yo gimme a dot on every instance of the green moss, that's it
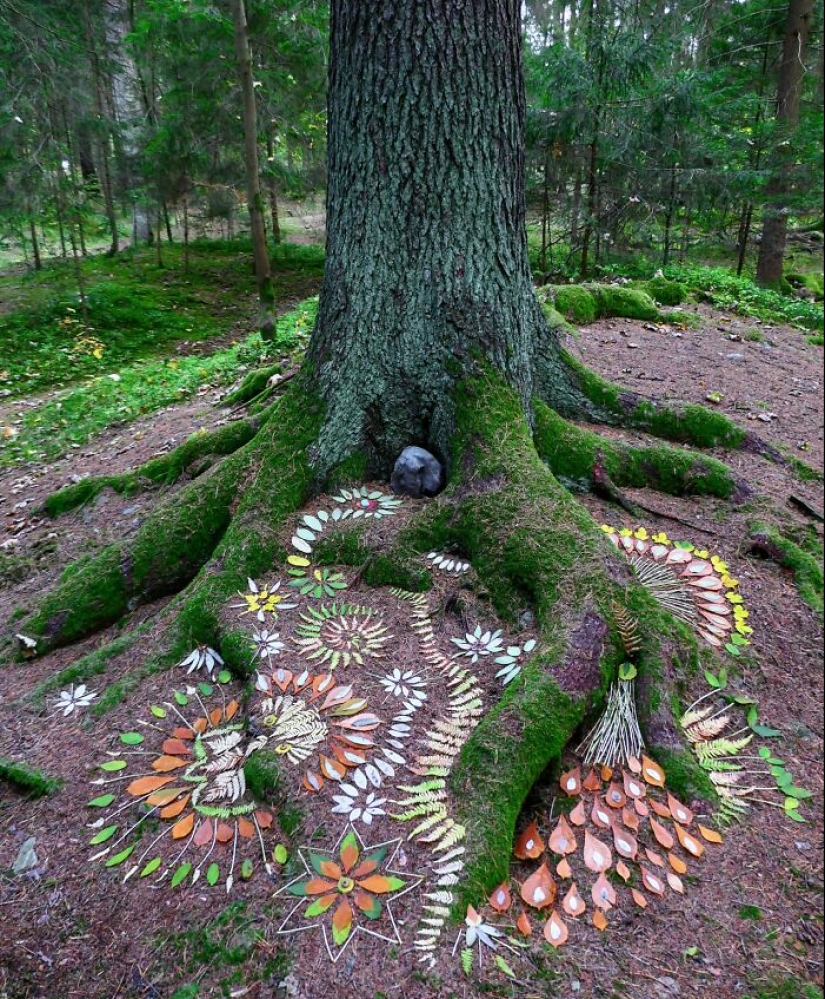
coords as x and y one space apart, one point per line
685 778
263 775
384 570
576 304
159 471
254 384
526 731
750 913
616 301
351 472
689 424
665 292
806 569
32 782
572 453
342 548
788 988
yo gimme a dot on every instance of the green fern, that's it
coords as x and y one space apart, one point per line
467 960
718 748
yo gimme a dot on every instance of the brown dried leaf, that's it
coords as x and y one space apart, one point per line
501 900
690 843
540 890
615 796
603 893
600 921
639 898
599 815
556 932
710 835
652 882
681 813
571 783
626 845
573 903
597 856
656 806
623 871
678 865
578 816
663 837
530 845
675 883
524 926
592 782
652 772
633 787
564 870
563 839
654 857
630 819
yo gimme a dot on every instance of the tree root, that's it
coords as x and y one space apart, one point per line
584 460
192 457
768 542
233 513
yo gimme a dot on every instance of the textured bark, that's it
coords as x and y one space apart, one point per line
791 74
426 251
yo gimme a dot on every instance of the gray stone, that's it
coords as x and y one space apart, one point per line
417 473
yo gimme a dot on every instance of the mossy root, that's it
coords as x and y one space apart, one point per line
770 543
233 512
192 457
579 457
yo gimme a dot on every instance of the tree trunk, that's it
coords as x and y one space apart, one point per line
38 263
273 192
791 73
260 251
404 307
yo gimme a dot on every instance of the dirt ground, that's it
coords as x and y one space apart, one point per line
752 914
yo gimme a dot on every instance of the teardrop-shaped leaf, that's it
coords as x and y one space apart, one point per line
131 738
151 867
556 932
213 875
540 891
280 854
102 802
205 689
501 900
597 856
529 845
181 874
247 869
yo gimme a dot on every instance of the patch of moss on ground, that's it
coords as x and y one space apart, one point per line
664 291
27 779
807 570
685 778
576 304
788 988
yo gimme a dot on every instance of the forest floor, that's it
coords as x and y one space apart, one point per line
750 924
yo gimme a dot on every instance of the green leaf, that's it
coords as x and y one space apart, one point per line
765 753
740 640
247 869
181 698
102 802
158 711
467 960
112 766
732 650
798 792
504 967
151 867
319 907
791 804
280 854
713 680
766 732
627 671
103 835
796 817
783 778
181 874
753 716
213 875
742 699
120 857
224 676
131 738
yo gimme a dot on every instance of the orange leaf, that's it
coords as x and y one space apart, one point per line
634 765
216 717
556 932
641 809
675 883
176 747
530 845
599 815
564 870
377 884
282 679
205 833
225 834
630 819
661 810
710 835
524 926
319 886
348 757
623 871
600 920
183 733
634 788
200 725
332 770
607 773
563 840
652 772
663 836
173 811
165 764
264 819
369 866
603 893
680 812
313 782
184 826
350 854
578 816
245 828
231 710
677 863
654 857
639 898
145 785
164 796
597 856
571 783
592 782
573 903
501 900
690 843
652 882
540 891
615 796
626 845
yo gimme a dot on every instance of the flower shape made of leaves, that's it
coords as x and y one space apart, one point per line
357 808
263 601
316 583
479 643
350 891
362 502
513 660
268 644
406 686
196 786
692 584
340 634
202 658
300 714
74 699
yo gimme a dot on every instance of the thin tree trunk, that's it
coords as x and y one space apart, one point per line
273 192
260 251
575 211
791 73
592 185
186 228
671 210
38 263
545 215
167 224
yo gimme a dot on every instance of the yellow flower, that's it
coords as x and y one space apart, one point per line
735 598
607 529
661 538
641 534
740 613
729 582
626 533
702 554
743 629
